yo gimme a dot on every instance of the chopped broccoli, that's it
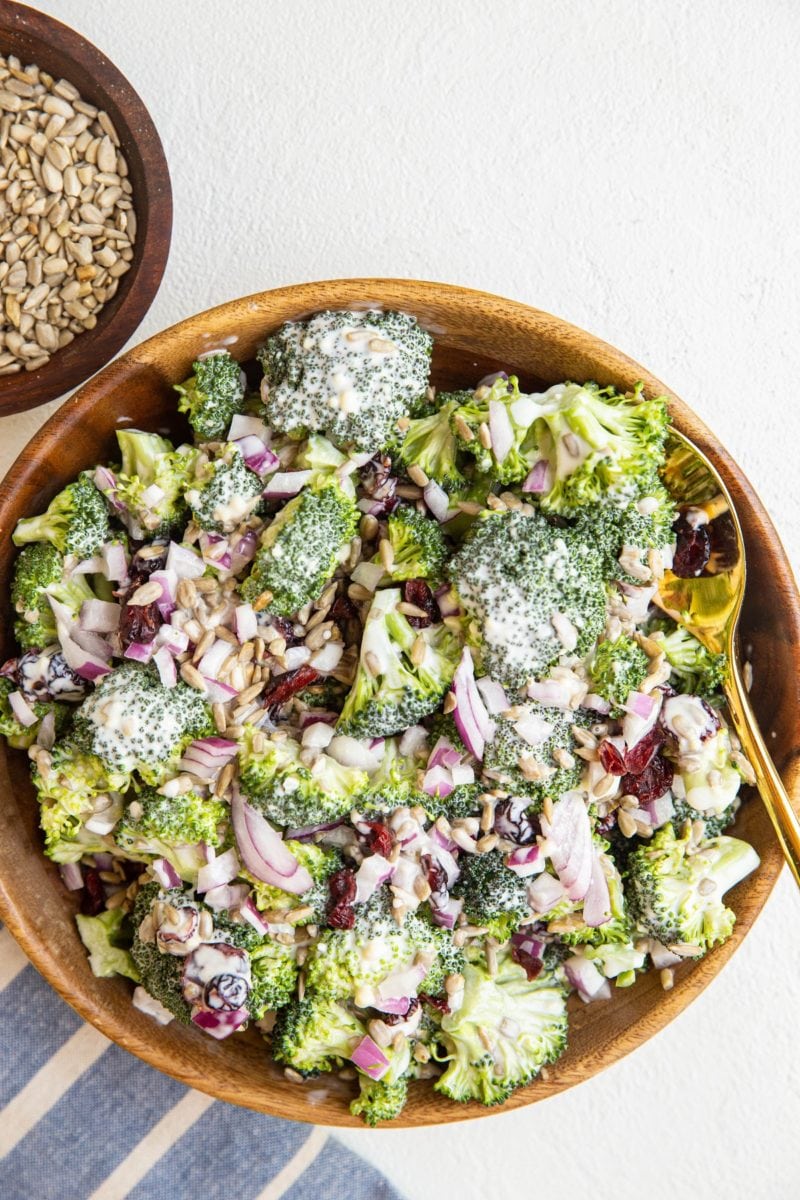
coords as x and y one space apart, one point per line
494 896
132 722
160 973
317 1033
104 938
39 572
626 532
147 494
320 862
301 548
76 521
274 973
714 823
391 690
524 1023
21 736
418 546
213 395
531 591
532 768
277 782
489 406
380 1099
160 826
429 443
225 494
708 781
617 669
694 669
395 783
676 887
350 375
319 455
68 787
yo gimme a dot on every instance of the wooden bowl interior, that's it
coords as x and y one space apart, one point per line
36 38
475 334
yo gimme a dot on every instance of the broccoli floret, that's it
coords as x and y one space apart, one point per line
225 494
132 722
68 787
147 493
429 443
536 769
392 690
160 974
301 548
618 668
670 890
317 1033
708 782
349 375
319 455
40 572
160 826
278 783
349 962
213 395
525 1024
627 531
320 862
21 736
418 545
494 896
694 669
105 939
274 971
326 694
598 444
76 521
531 592
488 407
714 823
395 783
380 1099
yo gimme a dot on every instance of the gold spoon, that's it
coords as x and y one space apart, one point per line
709 607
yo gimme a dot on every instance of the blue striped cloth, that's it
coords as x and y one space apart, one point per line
81 1119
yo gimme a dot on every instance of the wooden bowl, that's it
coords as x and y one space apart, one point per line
36 38
475 334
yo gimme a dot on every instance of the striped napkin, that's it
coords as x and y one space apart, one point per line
81 1119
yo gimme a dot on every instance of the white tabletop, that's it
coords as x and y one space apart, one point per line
631 167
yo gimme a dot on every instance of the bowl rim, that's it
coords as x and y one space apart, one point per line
121 317
360 293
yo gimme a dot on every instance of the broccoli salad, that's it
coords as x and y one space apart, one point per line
353 719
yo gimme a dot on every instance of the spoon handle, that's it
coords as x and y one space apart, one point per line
768 781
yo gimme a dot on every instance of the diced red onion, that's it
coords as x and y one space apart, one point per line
184 562
213 659
596 704
662 957
529 945
470 715
253 917
103 861
264 852
436 499
597 901
545 893
569 836
220 1023
412 740
352 752
246 623
317 716
327 658
440 839
88 666
586 979
447 600
533 729
115 562
539 480
368 575
106 482
167 580
226 896
93 643
285 484
222 869
444 754
243 552
165 873
243 425
445 913
493 694
172 638
370 1059
140 651
167 670
151 496
296 656
257 456
462 773
100 616
526 860
71 876
636 724
661 810
205 757
438 782
215 550
218 692
373 872
21 709
398 988
501 430
371 507
554 692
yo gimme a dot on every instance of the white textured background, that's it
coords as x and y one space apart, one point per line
632 167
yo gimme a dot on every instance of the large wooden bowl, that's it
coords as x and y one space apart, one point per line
37 38
475 333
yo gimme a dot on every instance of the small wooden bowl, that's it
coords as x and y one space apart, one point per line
475 334
36 38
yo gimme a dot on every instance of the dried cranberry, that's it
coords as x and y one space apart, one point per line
606 824
652 782
417 592
440 1003
285 629
342 892
10 669
512 821
693 549
93 897
226 992
343 609
532 966
638 757
612 761
434 873
144 567
379 839
285 686
139 623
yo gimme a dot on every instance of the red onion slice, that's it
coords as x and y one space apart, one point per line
100 616
140 651
438 782
586 979
372 874
472 720
257 456
71 876
213 659
539 480
264 852
526 860
250 913
571 849
444 754
597 901
184 562
88 666
222 869
165 873
501 430
226 896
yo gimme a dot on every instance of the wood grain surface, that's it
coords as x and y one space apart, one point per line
36 38
475 333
